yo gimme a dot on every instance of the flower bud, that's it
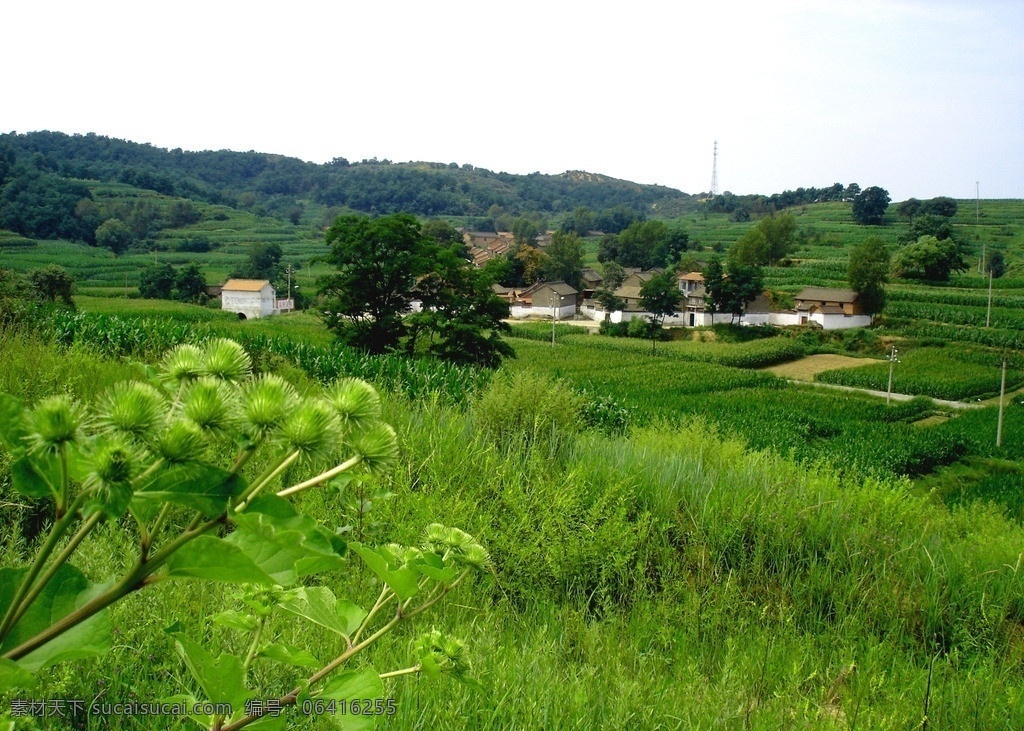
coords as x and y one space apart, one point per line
54 421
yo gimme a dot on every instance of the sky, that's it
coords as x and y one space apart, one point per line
921 97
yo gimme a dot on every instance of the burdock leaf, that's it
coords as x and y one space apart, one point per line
286 546
195 485
36 475
222 678
66 591
211 558
403 581
319 605
11 427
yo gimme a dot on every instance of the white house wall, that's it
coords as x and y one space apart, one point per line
250 304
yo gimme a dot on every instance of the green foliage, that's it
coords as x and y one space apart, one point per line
770 241
868 271
929 259
869 206
523 410
157 281
564 259
115 235
731 289
52 283
146 452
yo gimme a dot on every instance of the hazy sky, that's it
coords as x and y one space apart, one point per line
923 98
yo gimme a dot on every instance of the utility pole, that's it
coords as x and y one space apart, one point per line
977 224
892 361
988 312
1002 394
714 173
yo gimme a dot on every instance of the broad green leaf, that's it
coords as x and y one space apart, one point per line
222 678
349 686
11 429
285 546
403 581
13 675
290 655
67 590
214 559
318 604
235 620
203 487
36 475
433 566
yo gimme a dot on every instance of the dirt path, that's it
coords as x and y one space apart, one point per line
807 368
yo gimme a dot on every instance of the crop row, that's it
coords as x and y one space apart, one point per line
1001 317
149 337
939 373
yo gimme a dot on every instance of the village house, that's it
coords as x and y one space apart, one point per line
833 309
249 298
545 299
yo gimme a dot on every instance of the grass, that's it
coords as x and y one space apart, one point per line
673 578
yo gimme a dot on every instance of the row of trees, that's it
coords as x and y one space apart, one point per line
161 280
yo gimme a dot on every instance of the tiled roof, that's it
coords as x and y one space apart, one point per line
244 285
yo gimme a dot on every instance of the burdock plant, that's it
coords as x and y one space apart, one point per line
147 456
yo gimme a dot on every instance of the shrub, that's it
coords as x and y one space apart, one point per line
526 409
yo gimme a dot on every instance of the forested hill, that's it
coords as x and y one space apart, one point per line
276 182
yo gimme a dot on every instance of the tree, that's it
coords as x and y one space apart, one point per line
460 316
442 232
995 262
868 271
613 277
908 209
926 224
660 296
189 283
731 289
52 283
378 261
264 262
531 263
768 242
942 206
869 206
156 281
115 234
930 259
565 259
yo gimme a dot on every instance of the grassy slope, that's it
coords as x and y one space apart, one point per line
673 579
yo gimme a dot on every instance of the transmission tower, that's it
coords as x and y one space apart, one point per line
714 173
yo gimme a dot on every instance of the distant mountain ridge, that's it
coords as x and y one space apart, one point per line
371 186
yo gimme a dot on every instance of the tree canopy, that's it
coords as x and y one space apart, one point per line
383 264
770 241
930 259
732 288
868 271
869 206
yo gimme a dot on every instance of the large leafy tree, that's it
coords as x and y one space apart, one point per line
461 318
930 259
869 205
868 271
378 261
383 265
52 283
565 259
660 296
732 288
767 243
156 281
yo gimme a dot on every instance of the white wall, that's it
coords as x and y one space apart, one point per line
250 304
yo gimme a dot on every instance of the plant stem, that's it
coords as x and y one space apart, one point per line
397 673
139 577
265 479
55 565
56 532
322 477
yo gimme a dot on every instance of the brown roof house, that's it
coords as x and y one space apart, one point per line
546 299
249 298
832 308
